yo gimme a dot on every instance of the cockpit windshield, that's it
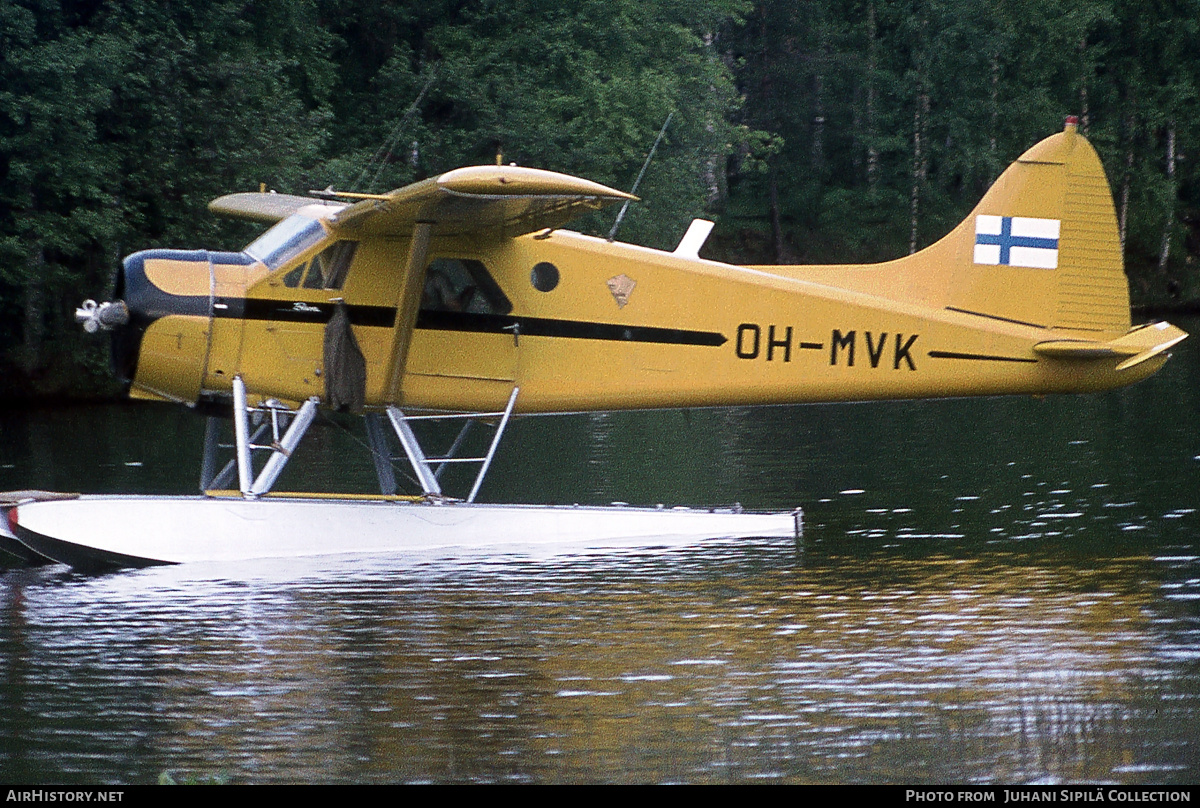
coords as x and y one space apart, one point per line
286 240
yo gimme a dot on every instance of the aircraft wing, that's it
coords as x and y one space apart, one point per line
264 207
509 200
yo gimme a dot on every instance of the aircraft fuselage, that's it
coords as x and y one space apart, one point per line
577 323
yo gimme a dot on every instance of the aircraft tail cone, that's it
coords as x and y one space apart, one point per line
1152 340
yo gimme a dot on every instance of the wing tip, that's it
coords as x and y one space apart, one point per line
264 207
523 181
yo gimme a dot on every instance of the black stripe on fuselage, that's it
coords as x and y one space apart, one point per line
569 329
299 311
994 317
979 357
296 311
465 322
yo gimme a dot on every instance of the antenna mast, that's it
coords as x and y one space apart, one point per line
612 234
386 148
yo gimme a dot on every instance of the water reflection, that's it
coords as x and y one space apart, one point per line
727 661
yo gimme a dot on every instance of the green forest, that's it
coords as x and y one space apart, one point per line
812 132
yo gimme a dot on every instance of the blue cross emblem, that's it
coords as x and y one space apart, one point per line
1006 240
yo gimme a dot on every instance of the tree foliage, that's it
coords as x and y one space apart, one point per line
821 131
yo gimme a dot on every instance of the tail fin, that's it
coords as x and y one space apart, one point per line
1042 245
1041 248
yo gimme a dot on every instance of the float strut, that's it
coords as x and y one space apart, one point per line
487 461
380 453
283 450
241 435
421 463
462 435
222 478
412 448
209 463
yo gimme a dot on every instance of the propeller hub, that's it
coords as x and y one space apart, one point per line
95 316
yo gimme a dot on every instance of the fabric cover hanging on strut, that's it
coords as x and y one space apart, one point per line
345 367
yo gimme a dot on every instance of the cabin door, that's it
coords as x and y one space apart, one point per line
463 329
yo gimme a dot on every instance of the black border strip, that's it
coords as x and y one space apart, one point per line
569 329
994 317
981 357
17 552
80 556
293 311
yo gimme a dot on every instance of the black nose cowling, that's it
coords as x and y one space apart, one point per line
137 304
151 285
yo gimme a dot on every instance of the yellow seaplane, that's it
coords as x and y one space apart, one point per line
463 296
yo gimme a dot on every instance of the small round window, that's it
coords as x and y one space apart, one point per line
544 276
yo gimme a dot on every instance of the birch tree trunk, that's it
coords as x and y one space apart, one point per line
34 325
993 151
776 226
818 142
1127 177
919 168
872 97
1164 253
1084 117
712 161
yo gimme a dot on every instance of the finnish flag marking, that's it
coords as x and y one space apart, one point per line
1016 241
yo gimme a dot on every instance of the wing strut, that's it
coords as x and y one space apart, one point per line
407 304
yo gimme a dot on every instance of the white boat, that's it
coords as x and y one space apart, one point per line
96 532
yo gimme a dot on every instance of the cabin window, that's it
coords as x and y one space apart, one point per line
286 240
293 278
544 276
327 270
462 284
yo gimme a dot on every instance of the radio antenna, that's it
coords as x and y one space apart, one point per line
390 143
612 234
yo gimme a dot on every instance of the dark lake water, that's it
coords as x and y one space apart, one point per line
993 590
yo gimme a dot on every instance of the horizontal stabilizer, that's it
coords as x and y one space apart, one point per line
1139 345
1074 349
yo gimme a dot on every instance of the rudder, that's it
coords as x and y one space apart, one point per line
1042 247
